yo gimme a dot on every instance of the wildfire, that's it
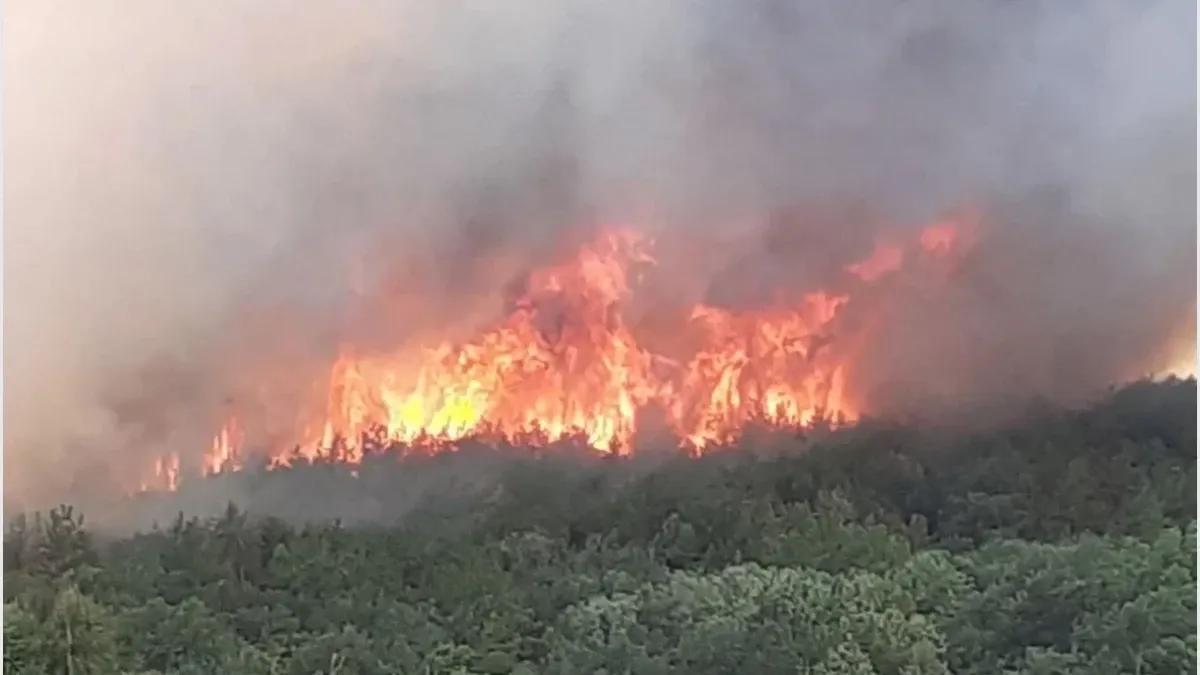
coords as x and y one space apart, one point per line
886 258
940 237
224 454
165 475
563 364
765 366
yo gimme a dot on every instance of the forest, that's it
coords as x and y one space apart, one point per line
1061 542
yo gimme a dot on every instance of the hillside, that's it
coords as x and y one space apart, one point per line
1064 543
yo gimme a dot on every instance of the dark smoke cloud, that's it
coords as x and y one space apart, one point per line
196 186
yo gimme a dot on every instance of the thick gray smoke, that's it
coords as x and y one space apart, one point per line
196 185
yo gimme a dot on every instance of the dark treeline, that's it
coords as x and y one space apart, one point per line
1061 544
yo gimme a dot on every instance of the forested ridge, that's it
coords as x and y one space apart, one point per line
1063 543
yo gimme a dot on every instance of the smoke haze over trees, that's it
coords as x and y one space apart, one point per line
197 188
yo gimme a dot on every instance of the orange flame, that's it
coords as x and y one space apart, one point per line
564 365
225 453
939 238
886 258
763 366
165 476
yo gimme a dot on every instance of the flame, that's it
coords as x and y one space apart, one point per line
760 366
1183 367
165 476
225 452
885 258
940 238
562 364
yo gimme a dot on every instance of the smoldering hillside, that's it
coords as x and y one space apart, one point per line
197 188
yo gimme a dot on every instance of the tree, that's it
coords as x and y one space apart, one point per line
83 638
62 544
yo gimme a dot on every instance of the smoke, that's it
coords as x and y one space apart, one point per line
204 198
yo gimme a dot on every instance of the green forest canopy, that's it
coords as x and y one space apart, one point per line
1065 543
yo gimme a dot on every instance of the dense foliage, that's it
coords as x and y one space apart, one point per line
1063 544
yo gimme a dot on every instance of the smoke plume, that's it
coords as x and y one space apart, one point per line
204 199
